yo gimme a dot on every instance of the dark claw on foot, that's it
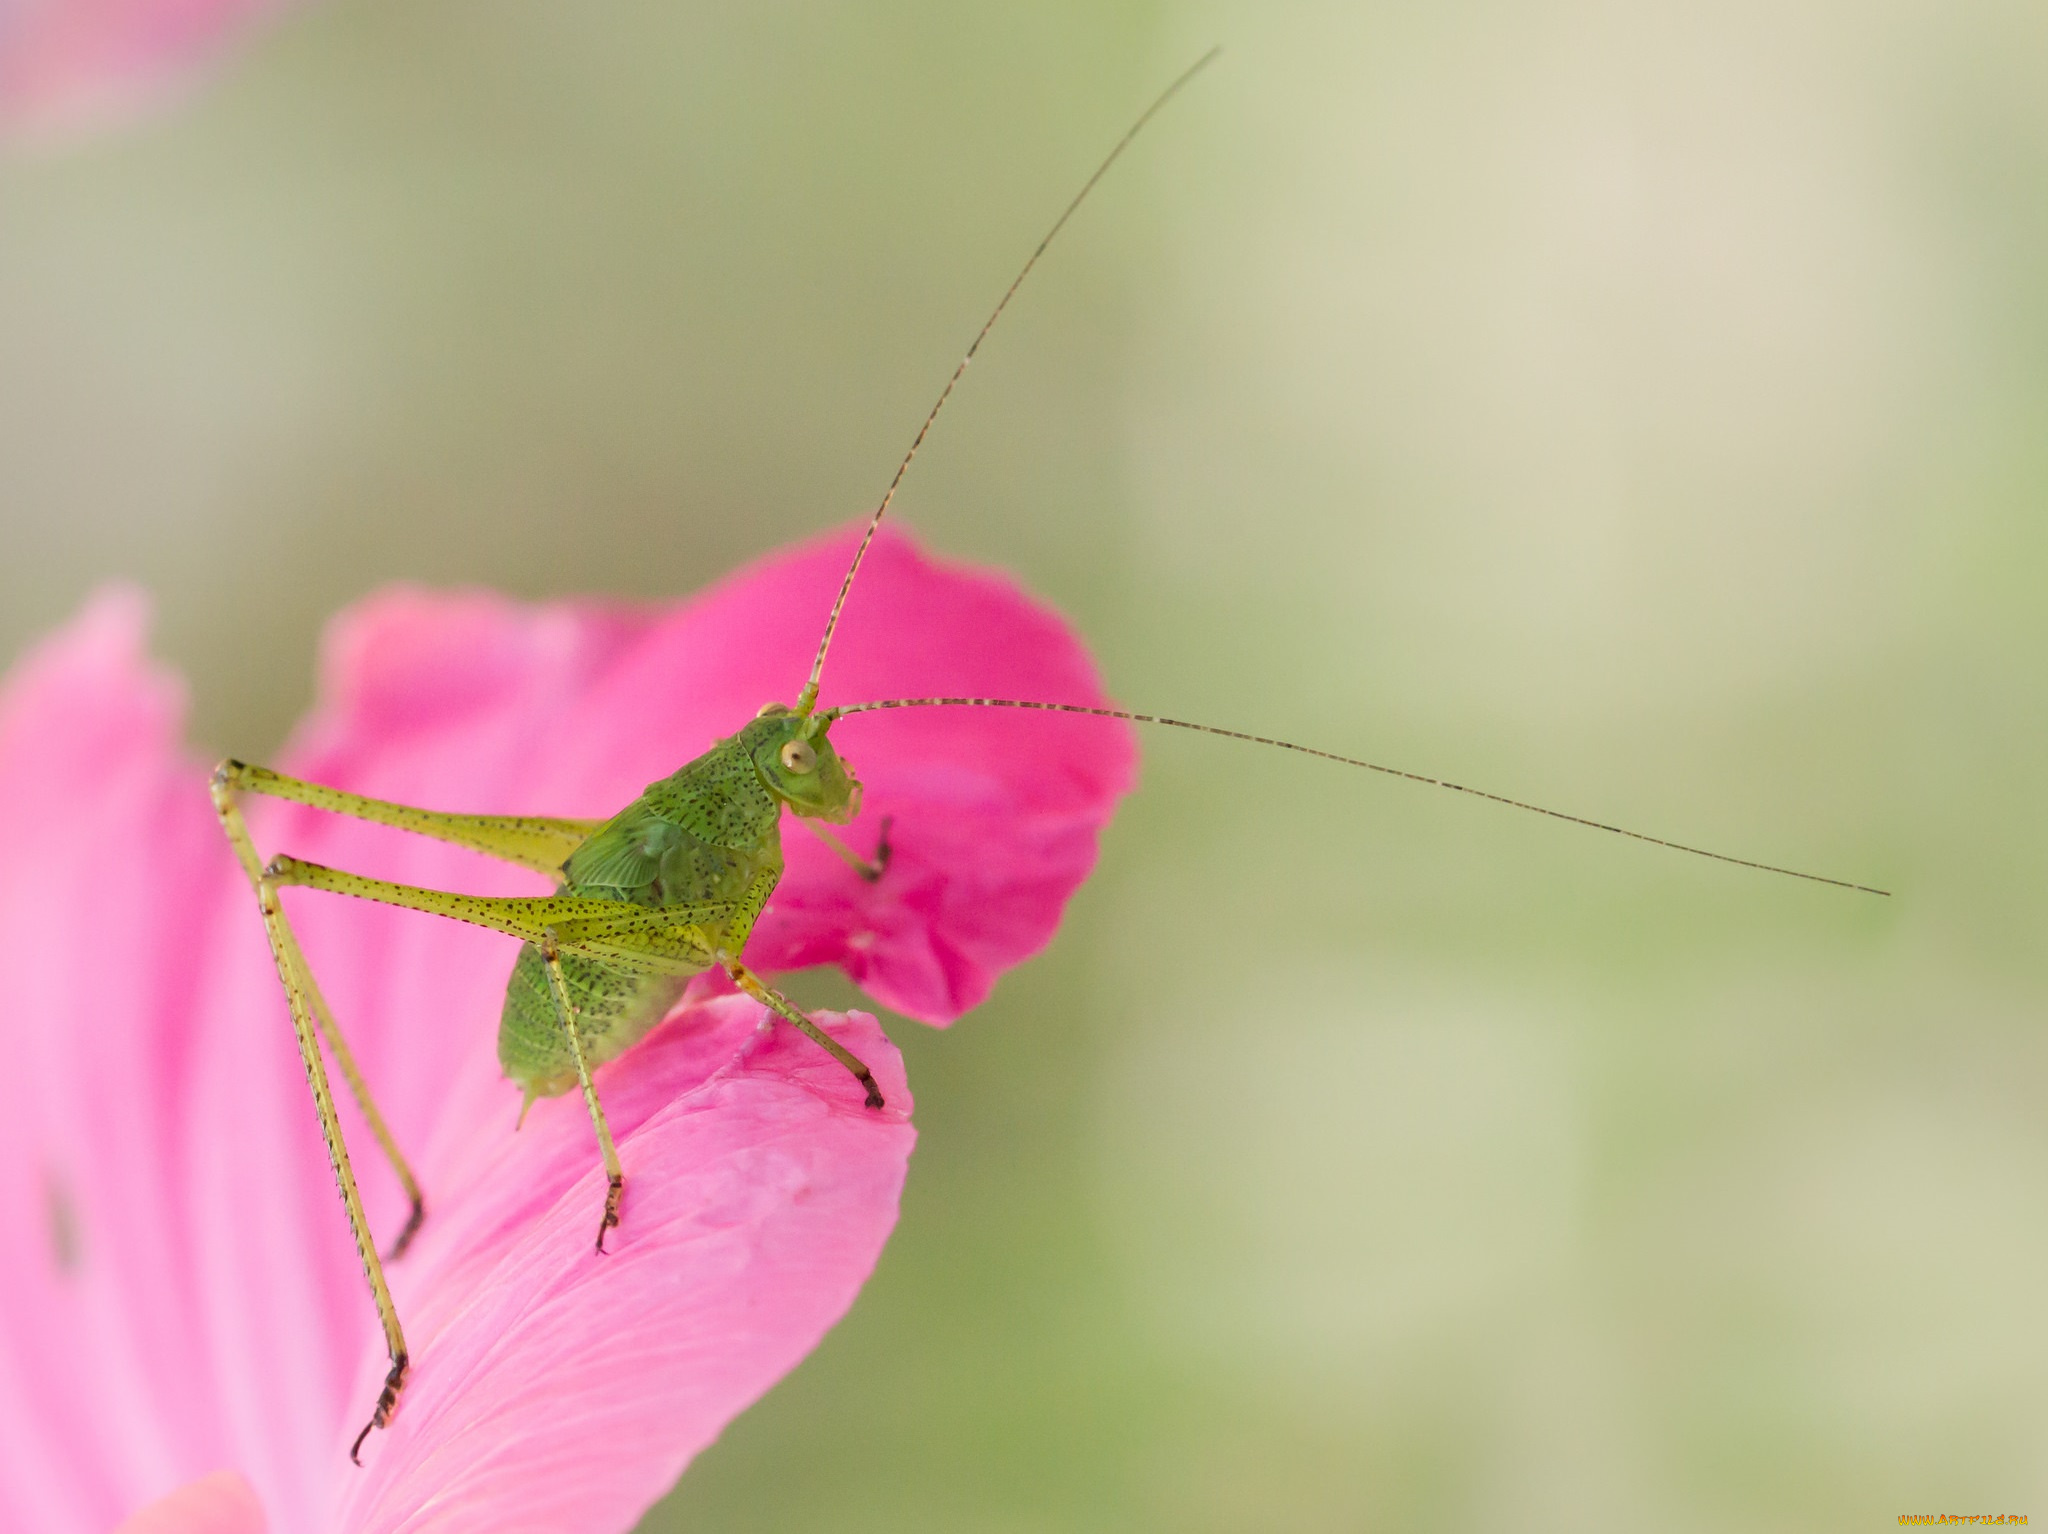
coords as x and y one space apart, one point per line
879 865
412 1228
387 1403
611 1212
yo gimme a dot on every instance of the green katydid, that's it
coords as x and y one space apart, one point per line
668 888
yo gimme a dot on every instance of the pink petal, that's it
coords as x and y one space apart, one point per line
70 61
474 703
560 1389
217 1316
760 1192
105 1381
221 1503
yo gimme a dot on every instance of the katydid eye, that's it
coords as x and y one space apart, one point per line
798 756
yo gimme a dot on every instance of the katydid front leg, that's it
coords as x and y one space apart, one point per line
783 1007
870 869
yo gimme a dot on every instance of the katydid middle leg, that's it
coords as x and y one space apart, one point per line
615 1174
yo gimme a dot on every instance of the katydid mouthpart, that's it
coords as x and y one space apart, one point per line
668 888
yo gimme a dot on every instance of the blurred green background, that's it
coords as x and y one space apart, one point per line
1634 408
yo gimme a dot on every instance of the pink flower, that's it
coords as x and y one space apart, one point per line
180 1306
69 61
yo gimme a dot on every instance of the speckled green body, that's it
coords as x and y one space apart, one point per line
705 843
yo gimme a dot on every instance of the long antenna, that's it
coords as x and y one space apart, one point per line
807 699
1349 761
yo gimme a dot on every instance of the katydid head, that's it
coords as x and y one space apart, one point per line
797 763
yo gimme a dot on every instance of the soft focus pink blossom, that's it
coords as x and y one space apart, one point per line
65 62
221 1503
180 1306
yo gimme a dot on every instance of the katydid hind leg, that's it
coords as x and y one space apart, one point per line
540 843
299 991
231 779
359 1089
646 940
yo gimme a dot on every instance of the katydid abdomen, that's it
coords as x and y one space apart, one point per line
614 1010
